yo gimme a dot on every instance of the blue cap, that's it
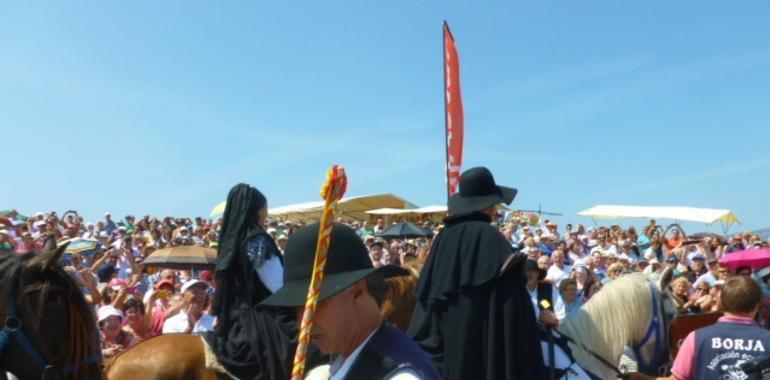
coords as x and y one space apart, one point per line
698 256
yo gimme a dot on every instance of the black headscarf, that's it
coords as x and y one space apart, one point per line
250 343
243 204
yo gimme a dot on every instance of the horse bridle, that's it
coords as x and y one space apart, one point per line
14 328
656 327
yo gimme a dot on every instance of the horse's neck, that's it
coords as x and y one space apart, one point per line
586 330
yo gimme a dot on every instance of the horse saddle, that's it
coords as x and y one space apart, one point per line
212 363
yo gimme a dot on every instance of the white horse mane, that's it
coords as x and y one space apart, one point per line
615 317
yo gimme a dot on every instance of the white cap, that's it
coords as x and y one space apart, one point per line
109 311
193 282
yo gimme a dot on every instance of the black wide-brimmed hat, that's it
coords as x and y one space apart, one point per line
346 263
479 191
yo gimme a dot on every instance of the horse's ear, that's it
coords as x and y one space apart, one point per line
666 278
50 243
50 257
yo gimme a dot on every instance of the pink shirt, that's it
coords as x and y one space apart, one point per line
685 358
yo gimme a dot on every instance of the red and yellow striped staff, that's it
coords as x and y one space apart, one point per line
332 191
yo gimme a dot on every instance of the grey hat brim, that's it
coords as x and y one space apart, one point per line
294 294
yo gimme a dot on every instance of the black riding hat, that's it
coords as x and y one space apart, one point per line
346 263
479 191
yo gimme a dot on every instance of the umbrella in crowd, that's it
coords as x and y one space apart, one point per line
754 258
7 222
12 214
183 257
405 230
704 235
82 246
218 210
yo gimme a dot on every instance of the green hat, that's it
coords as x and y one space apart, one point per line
347 262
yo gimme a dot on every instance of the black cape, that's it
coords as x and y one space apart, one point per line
472 320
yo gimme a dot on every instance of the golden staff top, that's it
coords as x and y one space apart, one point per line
332 191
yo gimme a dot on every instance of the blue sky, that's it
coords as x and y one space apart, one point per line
160 107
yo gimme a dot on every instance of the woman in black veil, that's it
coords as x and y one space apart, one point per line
250 343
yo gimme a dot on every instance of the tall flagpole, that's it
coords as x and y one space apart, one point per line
446 120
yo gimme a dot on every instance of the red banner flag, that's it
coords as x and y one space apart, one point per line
453 109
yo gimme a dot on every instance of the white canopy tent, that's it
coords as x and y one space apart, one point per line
703 215
349 208
434 213
420 210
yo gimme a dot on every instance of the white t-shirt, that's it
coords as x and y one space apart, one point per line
179 324
556 274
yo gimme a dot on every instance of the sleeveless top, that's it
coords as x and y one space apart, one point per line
721 347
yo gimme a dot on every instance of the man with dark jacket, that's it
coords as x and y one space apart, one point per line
348 323
473 315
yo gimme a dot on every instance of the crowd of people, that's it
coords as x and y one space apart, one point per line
565 267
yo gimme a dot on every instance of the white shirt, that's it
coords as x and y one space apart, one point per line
179 324
402 374
271 273
557 274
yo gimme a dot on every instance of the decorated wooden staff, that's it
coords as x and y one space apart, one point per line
332 191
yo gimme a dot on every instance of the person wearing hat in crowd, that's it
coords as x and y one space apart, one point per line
697 268
375 252
712 272
114 339
249 343
348 323
282 240
472 278
541 293
192 319
7 243
714 352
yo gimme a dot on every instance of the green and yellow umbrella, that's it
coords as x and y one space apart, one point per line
218 210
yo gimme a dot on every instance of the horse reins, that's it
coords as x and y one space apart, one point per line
655 327
14 329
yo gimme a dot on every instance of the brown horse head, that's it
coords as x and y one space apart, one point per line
53 334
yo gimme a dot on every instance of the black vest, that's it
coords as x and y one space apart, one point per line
387 352
719 349
544 292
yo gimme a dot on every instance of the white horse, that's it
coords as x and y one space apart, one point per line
631 311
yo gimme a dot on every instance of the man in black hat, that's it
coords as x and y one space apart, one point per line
540 293
473 315
347 321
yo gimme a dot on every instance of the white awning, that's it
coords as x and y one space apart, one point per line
421 210
351 208
691 214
